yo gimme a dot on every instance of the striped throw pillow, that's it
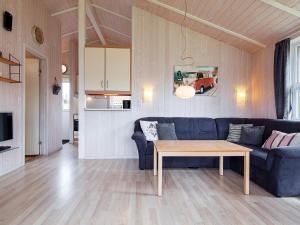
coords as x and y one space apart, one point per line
281 139
235 131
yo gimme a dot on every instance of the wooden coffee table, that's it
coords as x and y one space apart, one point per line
191 148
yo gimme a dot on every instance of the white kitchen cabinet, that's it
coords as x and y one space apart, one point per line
107 70
117 69
95 69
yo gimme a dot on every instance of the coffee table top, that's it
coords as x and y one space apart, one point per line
198 146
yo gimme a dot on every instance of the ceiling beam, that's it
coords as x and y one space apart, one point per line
91 27
93 21
115 31
109 40
282 7
95 6
207 23
111 12
65 11
75 32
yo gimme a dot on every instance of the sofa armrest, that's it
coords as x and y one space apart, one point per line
140 139
285 172
287 152
141 144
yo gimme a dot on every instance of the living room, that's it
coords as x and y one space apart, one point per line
188 112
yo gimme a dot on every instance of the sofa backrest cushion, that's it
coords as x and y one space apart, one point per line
207 128
187 128
223 126
286 126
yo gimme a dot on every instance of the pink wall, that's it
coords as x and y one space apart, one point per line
26 14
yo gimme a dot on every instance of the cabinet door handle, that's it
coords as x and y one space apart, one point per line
102 83
107 84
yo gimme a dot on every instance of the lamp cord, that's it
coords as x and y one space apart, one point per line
184 58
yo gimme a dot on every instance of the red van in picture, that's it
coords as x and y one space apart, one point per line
203 82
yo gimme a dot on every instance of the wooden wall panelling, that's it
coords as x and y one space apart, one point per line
12 96
157 47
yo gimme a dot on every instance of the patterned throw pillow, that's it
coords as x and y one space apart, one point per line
149 130
235 131
280 139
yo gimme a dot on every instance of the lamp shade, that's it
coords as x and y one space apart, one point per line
64 68
185 92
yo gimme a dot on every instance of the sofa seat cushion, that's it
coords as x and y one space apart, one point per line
260 157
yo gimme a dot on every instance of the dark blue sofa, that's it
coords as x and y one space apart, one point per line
278 171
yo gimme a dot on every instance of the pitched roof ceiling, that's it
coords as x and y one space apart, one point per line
247 24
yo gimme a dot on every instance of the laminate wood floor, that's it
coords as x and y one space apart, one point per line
60 189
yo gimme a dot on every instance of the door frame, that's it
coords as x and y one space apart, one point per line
43 99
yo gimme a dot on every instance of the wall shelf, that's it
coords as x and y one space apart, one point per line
12 62
8 149
7 80
8 62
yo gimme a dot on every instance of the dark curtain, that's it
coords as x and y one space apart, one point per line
282 79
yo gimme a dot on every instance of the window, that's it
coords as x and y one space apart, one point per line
295 76
66 93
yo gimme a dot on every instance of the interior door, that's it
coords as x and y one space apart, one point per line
32 109
118 69
94 69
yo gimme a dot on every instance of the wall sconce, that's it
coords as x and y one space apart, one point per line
241 96
148 95
64 68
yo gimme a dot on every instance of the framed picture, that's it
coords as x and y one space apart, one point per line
203 78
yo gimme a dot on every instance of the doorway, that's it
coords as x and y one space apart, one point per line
66 90
32 107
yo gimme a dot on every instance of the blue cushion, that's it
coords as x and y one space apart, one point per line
252 135
166 131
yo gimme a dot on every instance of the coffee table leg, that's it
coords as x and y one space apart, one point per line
246 173
160 174
221 170
154 161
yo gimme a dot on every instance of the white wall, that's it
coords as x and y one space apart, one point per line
157 47
26 14
263 83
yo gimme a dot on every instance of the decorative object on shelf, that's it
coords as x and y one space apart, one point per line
7 21
37 35
203 79
11 62
64 68
0 54
126 104
56 88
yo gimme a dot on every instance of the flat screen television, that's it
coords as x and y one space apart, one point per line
6 126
